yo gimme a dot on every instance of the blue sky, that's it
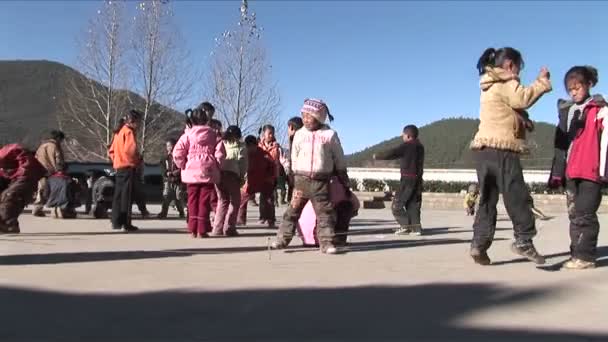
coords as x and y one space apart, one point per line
379 65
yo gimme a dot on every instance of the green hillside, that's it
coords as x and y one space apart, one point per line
447 146
32 94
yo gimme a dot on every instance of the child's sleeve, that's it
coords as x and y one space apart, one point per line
392 153
295 149
180 152
111 149
338 154
220 152
243 162
560 152
603 116
520 97
131 148
420 161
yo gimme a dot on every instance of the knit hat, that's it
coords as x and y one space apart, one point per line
317 108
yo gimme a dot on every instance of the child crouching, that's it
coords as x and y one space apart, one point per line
19 173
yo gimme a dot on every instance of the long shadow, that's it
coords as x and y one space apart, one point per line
368 313
152 231
367 246
602 253
80 257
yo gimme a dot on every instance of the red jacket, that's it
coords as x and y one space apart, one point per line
17 163
261 171
585 159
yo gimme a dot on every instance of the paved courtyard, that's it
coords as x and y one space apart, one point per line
79 280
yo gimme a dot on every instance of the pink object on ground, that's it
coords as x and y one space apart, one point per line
307 223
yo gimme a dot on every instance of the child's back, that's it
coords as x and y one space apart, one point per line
199 154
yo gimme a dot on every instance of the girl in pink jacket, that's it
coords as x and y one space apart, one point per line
199 154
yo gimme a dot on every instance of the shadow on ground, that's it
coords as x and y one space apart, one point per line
430 311
602 260
77 257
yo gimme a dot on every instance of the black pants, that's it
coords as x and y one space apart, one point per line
124 189
500 172
407 202
584 225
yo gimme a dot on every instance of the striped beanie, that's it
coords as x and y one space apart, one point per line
317 108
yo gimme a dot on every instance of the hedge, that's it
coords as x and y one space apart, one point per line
438 186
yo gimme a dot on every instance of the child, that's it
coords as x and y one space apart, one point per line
406 204
316 156
581 145
261 172
470 199
126 160
269 144
234 169
173 189
50 155
293 125
199 154
497 146
19 172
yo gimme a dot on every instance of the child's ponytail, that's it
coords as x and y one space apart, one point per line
188 113
495 58
121 122
488 58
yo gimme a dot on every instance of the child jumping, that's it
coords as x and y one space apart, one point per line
497 146
234 169
173 189
316 156
199 154
19 173
406 204
126 160
581 145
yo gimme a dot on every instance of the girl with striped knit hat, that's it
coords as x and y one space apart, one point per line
316 156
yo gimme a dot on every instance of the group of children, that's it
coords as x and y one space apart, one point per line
579 164
221 169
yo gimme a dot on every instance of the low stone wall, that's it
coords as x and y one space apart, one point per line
451 201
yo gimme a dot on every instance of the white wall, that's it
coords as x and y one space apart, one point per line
447 175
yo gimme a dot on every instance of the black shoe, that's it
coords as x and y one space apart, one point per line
129 228
480 257
529 252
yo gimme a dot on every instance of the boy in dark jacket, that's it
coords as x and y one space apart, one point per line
173 190
19 173
407 202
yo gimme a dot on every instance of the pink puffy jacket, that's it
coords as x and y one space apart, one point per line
199 154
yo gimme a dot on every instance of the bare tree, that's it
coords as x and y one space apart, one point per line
163 75
240 84
93 101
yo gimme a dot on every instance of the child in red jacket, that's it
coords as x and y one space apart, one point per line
581 148
19 174
261 173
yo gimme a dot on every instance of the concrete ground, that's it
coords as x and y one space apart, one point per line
79 280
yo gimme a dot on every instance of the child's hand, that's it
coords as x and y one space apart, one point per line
544 73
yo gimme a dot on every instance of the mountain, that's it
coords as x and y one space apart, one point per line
32 95
447 142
